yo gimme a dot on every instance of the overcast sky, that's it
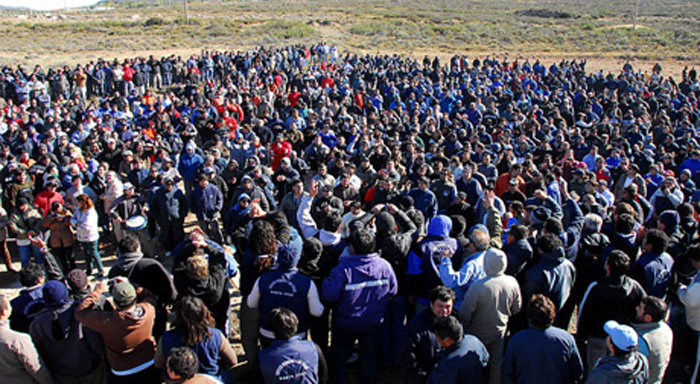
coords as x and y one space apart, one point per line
46 5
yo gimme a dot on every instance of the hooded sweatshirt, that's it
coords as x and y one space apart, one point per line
424 260
285 286
489 302
359 289
552 276
65 345
613 370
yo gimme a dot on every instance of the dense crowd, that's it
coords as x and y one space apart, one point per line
474 221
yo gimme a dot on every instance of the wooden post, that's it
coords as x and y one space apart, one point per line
187 15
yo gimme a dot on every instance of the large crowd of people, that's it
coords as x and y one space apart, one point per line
386 219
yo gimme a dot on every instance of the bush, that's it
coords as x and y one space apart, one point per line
157 20
545 14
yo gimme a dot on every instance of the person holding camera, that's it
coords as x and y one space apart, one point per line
127 331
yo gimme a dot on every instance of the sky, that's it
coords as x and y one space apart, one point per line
46 5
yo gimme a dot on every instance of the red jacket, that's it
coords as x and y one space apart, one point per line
45 199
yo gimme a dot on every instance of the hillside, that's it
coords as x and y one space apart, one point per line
668 30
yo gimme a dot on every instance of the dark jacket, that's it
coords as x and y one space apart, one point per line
462 363
425 201
519 253
300 359
20 317
207 202
614 370
67 348
537 356
653 272
211 289
170 205
609 298
553 276
423 350
145 272
394 246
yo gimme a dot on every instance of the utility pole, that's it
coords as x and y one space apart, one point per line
636 13
187 15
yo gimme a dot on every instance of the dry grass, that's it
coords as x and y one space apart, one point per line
669 30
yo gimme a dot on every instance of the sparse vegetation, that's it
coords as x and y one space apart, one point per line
667 28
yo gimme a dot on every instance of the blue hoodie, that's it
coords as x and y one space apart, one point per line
359 289
423 262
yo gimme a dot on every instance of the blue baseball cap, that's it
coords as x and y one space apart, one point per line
623 336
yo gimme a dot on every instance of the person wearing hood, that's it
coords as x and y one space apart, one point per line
625 365
147 273
285 286
669 222
127 331
237 217
668 196
255 192
487 305
471 270
189 164
70 351
359 289
552 275
615 297
425 258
